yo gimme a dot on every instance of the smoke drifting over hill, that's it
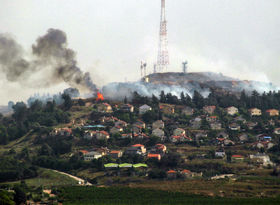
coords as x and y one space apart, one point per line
51 62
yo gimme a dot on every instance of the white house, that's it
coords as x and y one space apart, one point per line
144 108
179 131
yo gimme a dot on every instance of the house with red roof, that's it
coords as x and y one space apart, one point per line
66 132
237 158
186 173
171 174
209 109
180 138
104 108
272 112
154 156
167 108
115 154
102 135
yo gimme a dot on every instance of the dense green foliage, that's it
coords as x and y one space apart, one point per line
12 169
34 117
118 195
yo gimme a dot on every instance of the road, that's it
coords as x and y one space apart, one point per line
79 180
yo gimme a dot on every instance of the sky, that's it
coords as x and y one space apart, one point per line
239 38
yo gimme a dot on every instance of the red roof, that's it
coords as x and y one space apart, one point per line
67 129
171 172
115 151
153 155
138 145
186 171
237 156
160 146
104 132
84 151
213 117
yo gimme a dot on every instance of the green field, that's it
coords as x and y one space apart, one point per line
47 179
123 196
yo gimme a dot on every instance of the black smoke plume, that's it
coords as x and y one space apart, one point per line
51 61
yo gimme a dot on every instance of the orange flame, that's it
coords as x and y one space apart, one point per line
99 97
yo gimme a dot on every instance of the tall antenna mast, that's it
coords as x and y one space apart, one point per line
163 56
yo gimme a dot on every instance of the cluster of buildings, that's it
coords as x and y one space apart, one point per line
168 130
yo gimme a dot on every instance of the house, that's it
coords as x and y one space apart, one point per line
141 136
158 124
140 124
158 133
136 149
179 131
272 112
251 125
261 158
243 137
104 108
127 108
108 119
137 129
209 109
89 134
171 174
255 112
102 135
228 142
144 108
220 153
154 156
180 138
211 118
103 150
160 148
237 158
167 108
216 125
234 126
263 138
240 119
265 145
127 135
277 131
186 173
187 111
223 135
116 129
66 132
115 154
91 155
199 136
120 123
196 123
231 110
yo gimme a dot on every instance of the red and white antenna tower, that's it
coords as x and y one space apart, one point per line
163 56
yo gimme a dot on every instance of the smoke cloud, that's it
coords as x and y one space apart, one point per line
51 62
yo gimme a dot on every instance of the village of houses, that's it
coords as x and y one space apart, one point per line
200 128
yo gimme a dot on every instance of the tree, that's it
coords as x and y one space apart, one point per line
20 196
162 97
5 198
3 135
67 104
198 100
20 111
149 116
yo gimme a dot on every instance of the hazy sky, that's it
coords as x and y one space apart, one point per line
240 38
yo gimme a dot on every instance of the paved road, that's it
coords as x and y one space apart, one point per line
79 180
